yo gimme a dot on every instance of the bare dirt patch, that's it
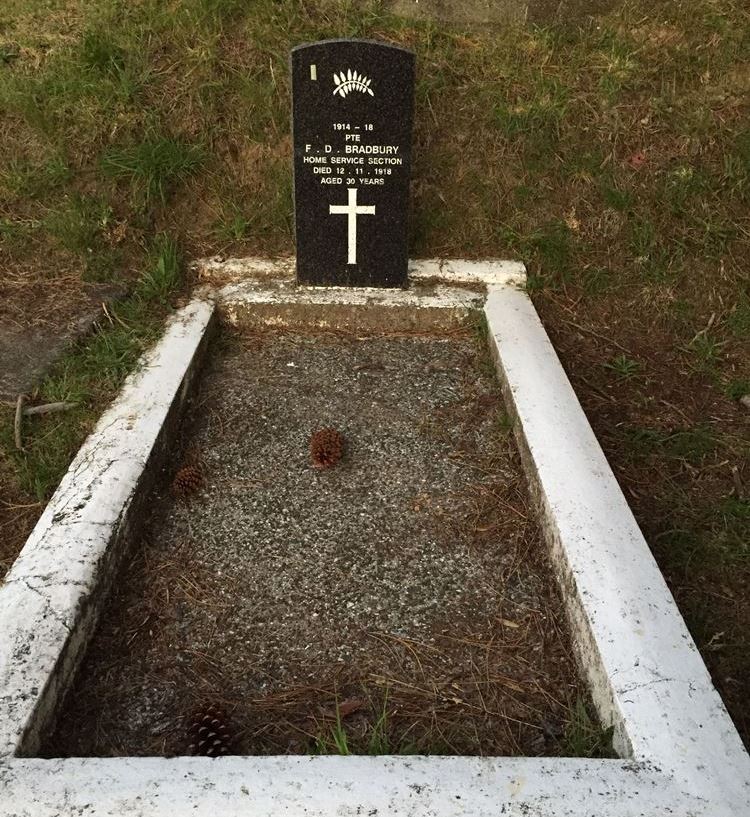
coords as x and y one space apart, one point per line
406 589
28 347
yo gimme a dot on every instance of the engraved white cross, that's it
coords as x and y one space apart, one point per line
352 211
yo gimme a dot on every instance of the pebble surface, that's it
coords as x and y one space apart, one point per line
279 574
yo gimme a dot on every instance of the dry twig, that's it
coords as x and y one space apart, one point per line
18 423
48 408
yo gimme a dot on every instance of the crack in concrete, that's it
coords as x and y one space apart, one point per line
644 684
48 608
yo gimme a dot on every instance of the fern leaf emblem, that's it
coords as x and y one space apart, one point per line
349 80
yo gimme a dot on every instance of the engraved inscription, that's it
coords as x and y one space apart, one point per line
352 129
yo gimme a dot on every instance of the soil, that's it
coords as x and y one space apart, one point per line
29 344
40 319
405 591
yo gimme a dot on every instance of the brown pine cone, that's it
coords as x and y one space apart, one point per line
326 448
187 481
210 735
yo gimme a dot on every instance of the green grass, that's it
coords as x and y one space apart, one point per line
691 445
335 742
26 179
162 275
233 224
154 166
8 53
681 185
706 538
152 98
549 244
615 197
127 122
77 225
15 234
584 737
598 281
100 54
504 423
91 373
737 165
737 388
623 366
538 115
621 73
706 349
376 740
739 318
88 377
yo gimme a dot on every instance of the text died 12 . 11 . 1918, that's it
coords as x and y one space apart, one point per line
352 114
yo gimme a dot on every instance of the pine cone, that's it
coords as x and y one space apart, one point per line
326 448
188 480
209 732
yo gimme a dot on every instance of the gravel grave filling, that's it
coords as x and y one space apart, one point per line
400 601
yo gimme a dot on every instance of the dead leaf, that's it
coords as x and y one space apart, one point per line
420 502
350 706
573 223
637 160
119 232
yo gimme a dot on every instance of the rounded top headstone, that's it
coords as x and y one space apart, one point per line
352 114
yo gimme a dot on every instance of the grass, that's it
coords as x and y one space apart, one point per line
336 738
163 274
90 374
735 389
233 225
691 445
739 318
584 737
540 112
154 166
78 223
24 179
623 366
611 155
706 348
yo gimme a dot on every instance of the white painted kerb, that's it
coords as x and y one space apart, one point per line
646 674
47 589
251 293
338 787
487 272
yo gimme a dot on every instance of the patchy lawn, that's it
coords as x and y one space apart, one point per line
613 156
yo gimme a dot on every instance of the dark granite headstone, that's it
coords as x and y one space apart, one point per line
353 105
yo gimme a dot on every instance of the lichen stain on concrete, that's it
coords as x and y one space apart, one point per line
46 591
